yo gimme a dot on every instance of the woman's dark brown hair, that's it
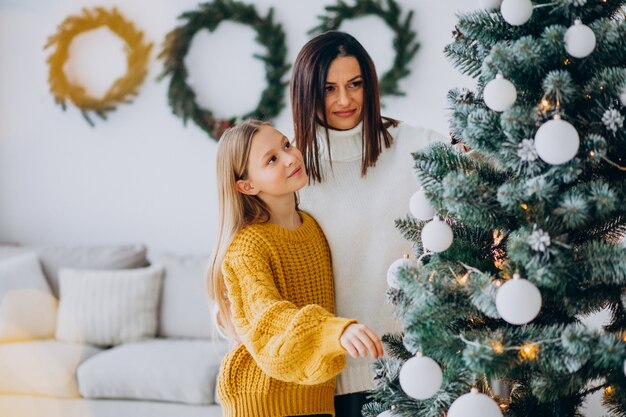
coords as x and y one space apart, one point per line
308 82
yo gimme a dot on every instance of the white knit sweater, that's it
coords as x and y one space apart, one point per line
357 215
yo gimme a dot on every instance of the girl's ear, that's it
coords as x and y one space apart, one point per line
244 187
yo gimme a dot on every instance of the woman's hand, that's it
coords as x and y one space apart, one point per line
360 341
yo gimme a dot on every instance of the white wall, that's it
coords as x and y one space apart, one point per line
142 176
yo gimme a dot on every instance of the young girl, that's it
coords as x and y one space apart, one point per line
271 277
362 172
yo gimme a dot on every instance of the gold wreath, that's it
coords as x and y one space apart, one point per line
137 55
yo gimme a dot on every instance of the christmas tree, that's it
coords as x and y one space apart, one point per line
517 228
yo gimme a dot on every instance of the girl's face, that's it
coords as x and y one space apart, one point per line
344 93
275 167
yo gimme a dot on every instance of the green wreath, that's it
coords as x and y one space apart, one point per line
182 98
404 41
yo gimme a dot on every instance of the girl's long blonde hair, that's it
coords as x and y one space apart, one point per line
236 210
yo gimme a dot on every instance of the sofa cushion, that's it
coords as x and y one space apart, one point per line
106 308
53 258
43 367
161 370
184 302
28 309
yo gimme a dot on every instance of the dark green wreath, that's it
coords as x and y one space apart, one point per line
404 41
182 98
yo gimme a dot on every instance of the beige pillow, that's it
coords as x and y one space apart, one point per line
106 308
28 310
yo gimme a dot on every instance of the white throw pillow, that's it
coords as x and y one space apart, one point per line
182 371
28 310
106 308
185 308
41 368
54 258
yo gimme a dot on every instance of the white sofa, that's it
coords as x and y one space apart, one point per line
105 332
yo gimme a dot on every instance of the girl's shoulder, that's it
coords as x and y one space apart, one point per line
250 238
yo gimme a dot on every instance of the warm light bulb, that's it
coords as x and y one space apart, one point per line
529 351
497 282
524 206
498 235
463 280
497 347
545 103
592 154
610 390
567 61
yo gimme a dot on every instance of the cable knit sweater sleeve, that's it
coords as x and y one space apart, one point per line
291 344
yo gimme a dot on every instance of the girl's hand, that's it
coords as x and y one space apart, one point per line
359 340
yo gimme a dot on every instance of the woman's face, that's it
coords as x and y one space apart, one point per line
344 93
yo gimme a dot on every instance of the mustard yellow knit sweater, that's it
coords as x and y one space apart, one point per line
281 292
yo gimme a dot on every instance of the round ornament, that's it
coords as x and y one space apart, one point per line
556 141
124 88
437 235
499 94
516 12
580 41
404 42
420 377
387 413
490 4
624 366
392 272
518 301
420 206
208 16
474 404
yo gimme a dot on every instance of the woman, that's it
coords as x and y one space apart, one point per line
360 169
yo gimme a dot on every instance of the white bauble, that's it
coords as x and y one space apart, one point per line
392 272
490 4
420 377
556 141
499 94
516 12
474 404
437 235
622 96
624 366
420 206
518 301
580 41
387 413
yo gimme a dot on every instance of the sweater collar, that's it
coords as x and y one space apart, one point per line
303 233
345 145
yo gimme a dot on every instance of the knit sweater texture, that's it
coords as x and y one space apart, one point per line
280 287
357 215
